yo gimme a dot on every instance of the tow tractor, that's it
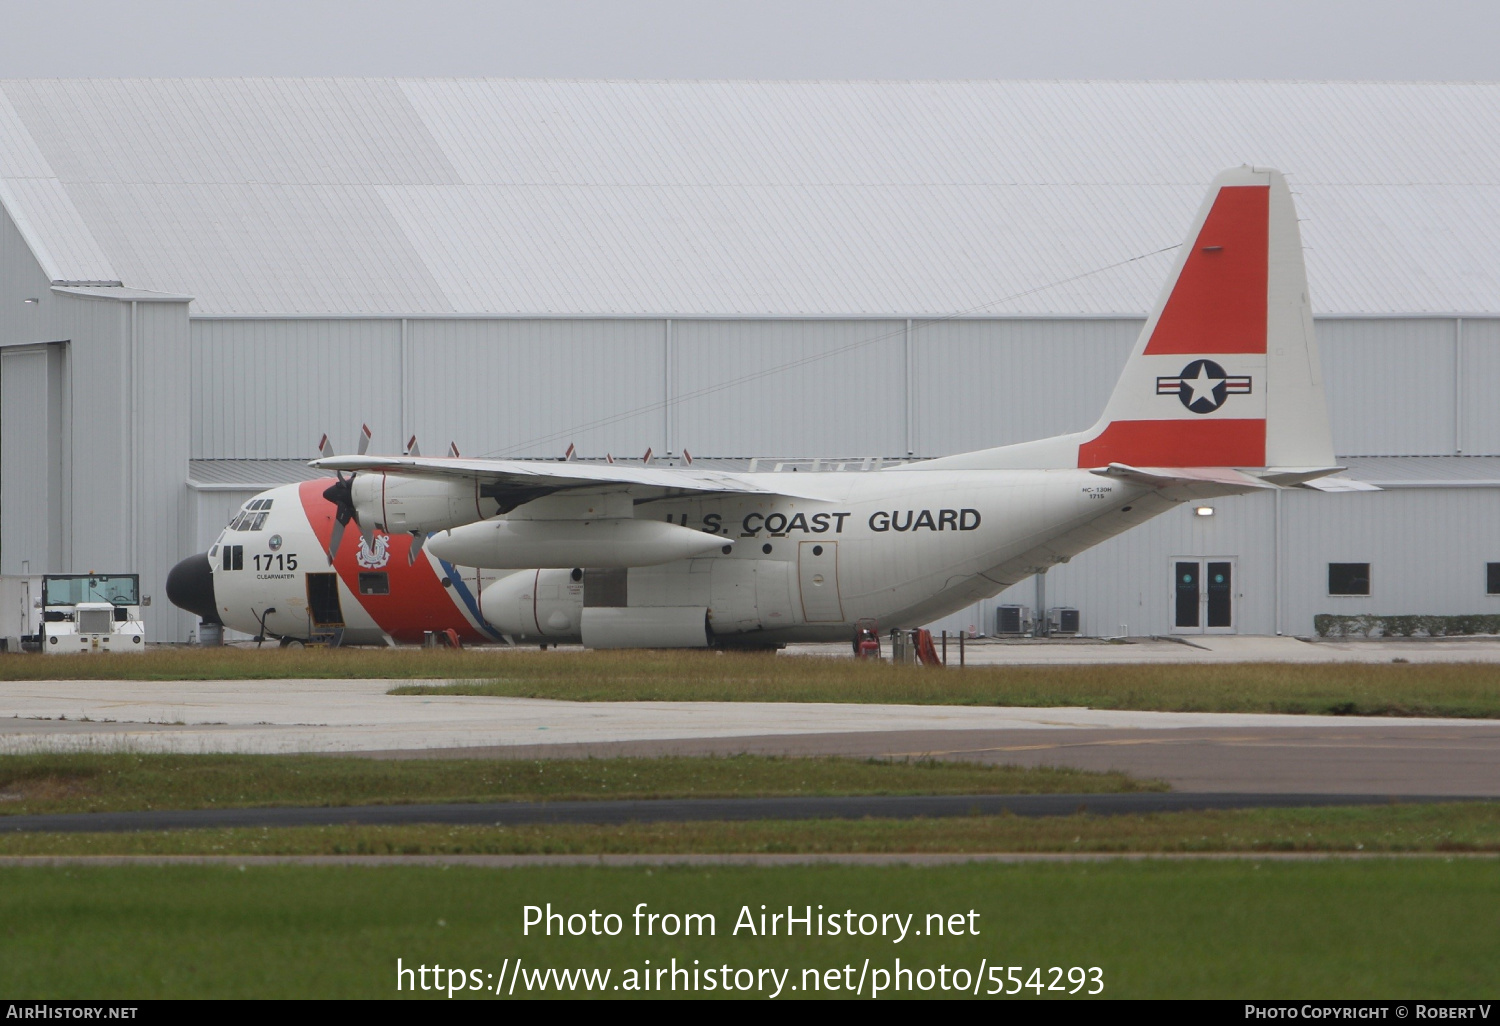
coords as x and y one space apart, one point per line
91 613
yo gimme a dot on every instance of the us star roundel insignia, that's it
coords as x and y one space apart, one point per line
1203 386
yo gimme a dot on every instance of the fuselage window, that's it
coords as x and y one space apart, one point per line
374 583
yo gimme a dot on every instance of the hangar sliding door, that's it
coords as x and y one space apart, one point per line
30 460
1203 595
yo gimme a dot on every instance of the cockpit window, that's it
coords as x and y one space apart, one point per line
252 517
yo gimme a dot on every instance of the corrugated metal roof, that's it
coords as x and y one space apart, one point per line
42 211
247 475
120 292
348 196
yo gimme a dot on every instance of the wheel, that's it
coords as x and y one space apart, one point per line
293 643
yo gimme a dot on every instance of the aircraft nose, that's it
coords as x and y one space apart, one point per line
190 586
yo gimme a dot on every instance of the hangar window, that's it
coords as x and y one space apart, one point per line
1348 578
376 583
1492 578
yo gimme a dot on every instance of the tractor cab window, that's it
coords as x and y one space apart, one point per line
69 591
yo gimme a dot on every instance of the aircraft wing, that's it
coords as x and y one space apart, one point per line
525 479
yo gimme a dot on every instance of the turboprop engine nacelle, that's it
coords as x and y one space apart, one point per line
525 544
398 503
536 604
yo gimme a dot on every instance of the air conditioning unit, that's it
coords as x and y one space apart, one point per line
1062 620
1012 620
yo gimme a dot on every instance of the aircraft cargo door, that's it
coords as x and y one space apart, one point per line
818 577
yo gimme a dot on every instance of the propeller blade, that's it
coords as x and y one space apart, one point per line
453 450
687 457
417 538
333 543
571 452
647 458
325 447
341 494
411 447
364 439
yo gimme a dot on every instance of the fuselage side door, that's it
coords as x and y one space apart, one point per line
773 593
323 600
818 581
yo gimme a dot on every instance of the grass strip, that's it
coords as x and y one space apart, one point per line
1459 827
1410 689
1244 929
1423 689
122 781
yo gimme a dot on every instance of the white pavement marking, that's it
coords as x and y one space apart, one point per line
279 716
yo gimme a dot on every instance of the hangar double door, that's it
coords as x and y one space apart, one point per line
1203 595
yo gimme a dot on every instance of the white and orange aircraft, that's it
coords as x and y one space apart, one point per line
1221 395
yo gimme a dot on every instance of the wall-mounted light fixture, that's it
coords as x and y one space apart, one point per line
29 301
1203 511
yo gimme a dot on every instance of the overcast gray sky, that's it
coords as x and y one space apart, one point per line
1369 39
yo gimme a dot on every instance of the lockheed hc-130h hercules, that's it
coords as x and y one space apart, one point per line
1221 395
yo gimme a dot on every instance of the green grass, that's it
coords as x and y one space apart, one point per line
1442 689
1415 689
1240 928
1460 827
113 782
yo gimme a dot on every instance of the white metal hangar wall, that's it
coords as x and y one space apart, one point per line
741 269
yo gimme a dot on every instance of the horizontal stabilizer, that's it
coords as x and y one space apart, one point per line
1341 484
1187 482
1183 475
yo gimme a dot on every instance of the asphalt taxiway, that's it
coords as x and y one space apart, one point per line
1197 753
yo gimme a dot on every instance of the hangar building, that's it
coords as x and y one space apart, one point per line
200 277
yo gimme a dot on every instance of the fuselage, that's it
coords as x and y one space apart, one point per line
900 547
